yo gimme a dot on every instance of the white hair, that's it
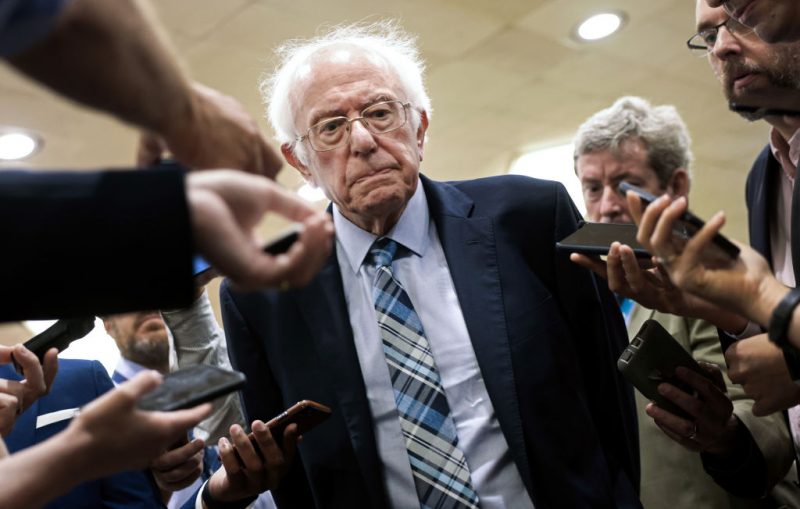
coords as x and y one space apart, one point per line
383 41
660 128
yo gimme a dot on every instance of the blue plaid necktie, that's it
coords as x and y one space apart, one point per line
440 470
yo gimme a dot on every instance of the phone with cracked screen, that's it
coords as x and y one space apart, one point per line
651 359
306 414
190 387
687 225
595 239
275 246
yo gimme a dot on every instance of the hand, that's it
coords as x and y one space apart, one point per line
758 365
650 285
219 133
179 467
226 205
38 377
252 476
712 425
114 435
9 409
733 284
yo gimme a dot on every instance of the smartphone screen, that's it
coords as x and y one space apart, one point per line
191 386
596 239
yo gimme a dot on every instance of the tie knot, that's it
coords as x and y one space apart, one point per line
382 252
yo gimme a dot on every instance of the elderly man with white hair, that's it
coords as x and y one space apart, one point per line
466 362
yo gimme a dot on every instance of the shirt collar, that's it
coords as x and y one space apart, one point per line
128 368
787 153
411 231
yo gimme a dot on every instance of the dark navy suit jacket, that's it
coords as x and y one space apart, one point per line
545 334
78 382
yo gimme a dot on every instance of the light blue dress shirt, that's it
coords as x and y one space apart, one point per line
424 274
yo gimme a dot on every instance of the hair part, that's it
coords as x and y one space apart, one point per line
383 42
660 128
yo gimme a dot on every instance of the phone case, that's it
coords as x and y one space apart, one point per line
651 358
596 239
191 386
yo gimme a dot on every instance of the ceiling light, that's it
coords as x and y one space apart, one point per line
17 145
311 193
600 26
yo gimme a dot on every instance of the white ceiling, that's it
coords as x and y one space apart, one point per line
504 76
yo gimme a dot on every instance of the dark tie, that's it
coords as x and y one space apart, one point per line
440 471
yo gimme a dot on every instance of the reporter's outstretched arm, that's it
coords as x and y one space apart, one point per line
113 56
109 435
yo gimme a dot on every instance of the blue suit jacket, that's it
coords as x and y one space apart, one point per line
545 334
78 382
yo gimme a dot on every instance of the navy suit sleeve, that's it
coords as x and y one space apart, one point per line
86 243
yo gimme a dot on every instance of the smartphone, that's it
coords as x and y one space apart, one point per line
651 359
191 386
759 112
596 238
59 335
688 225
277 245
306 414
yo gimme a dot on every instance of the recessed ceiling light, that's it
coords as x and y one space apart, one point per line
312 194
17 145
600 26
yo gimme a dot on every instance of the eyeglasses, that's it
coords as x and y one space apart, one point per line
703 41
379 118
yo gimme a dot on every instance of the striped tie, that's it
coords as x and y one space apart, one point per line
440 470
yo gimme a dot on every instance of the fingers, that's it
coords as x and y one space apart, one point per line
178 456
635 206
178 421
149 149
272 453
647 221
662 237
50 368
677 428
716 374
9 409
596 265
179 468
616 274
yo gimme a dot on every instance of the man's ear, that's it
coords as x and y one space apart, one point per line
293 160
421 130
678 184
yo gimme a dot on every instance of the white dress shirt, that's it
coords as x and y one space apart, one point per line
421 268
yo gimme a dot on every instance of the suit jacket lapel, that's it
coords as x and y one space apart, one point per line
325 310
763 198
469 246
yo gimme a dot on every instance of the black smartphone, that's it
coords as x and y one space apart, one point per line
651 359
688 225
277 245
306 414
759 112
191 386
596 239
59 335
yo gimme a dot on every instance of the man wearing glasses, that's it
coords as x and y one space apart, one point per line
466 362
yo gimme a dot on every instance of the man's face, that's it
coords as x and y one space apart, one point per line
374 175
751 71
773 20
141 337
601 172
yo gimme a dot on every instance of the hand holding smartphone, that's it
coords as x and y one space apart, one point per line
59 335
687 226
595 239
306 414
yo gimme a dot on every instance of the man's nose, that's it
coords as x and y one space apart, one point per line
726 45
611 204
362 141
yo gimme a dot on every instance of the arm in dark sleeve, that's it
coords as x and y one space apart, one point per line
87 243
